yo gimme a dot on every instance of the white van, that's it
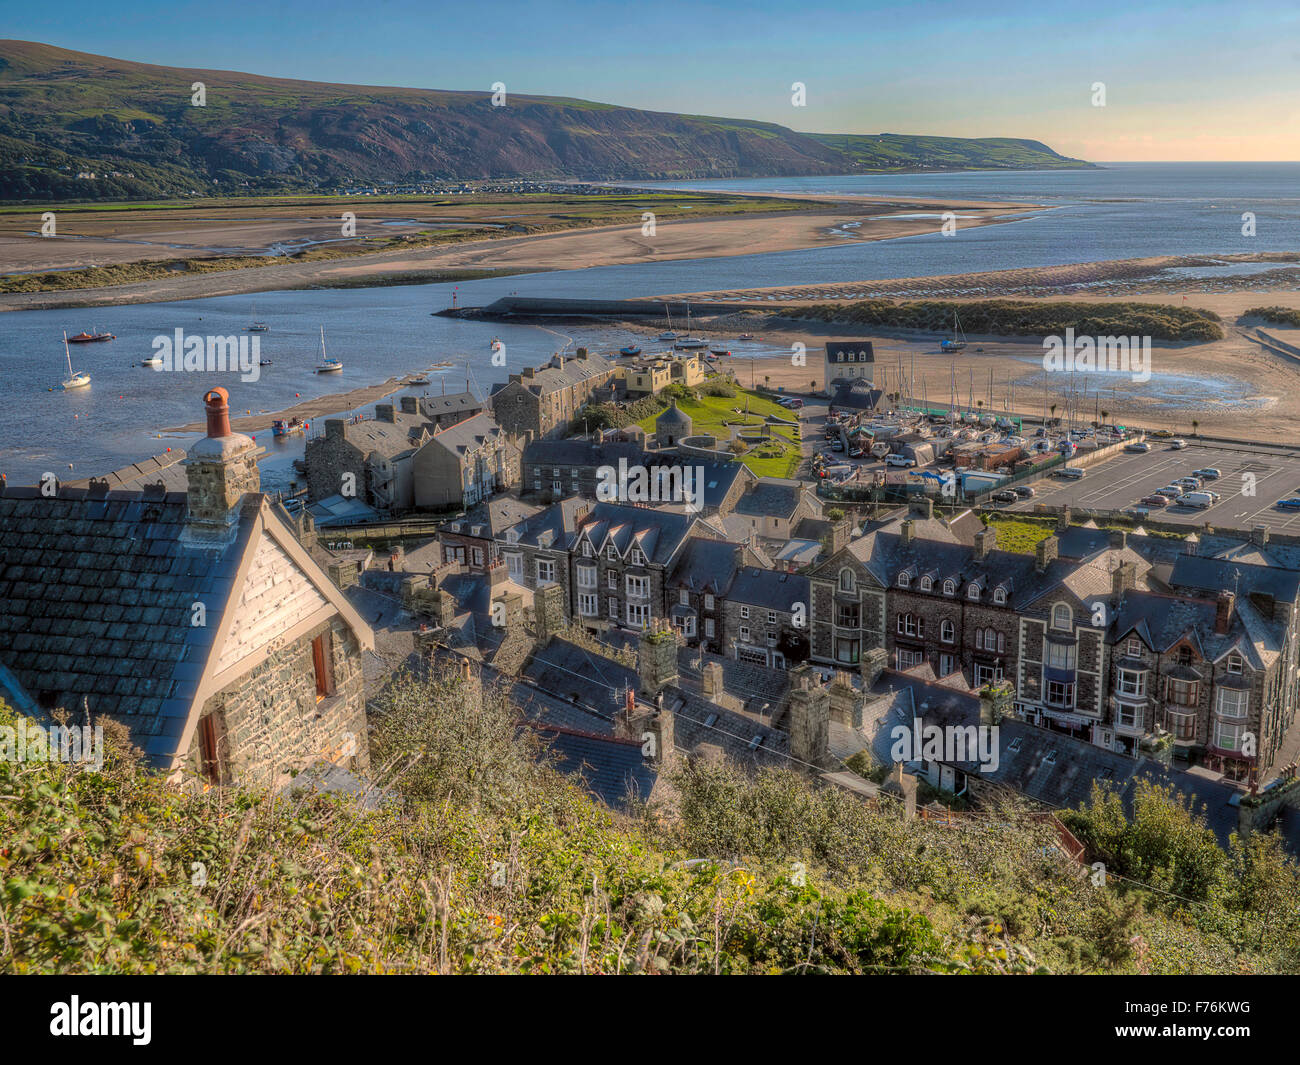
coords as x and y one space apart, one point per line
1075 473
1199 500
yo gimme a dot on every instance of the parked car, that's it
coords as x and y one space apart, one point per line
1025 491
1140 512
1207 474
1289 504
899 460
1162 434
1074 473
1138 445
1154 501
1177 445
1187 482
1199 500
1169 491
1006 495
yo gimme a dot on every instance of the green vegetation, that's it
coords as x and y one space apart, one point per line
1019 535
485 860
135 126
893 151
1275 315
1026 318
713 415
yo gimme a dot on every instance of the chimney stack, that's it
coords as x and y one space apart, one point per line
1259 535
907 531
1046 552
1118 539
220 470
1063 520
1123 579
986 540
1223 608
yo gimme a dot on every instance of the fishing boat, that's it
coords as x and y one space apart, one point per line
958 341
89 338
152 360
289 427
76 378
631 349
326 364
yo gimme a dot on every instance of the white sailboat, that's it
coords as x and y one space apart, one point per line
668 336
326 364
688 342
958 341
255 326
76 378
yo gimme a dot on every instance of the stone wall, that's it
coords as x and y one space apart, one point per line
271 724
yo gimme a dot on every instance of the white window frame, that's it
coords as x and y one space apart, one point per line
545 570
589 604
1062 611
1239 699
949 587
947 631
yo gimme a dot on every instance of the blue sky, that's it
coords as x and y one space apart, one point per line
1184 80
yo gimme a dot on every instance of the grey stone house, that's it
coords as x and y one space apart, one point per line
195 619
370 460
541 402
463 464
771 508
697 589
767 618
444 410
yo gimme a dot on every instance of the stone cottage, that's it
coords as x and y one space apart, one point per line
195 619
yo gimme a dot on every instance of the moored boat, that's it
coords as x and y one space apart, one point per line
76 378
288 427
89 338
326 364
631 349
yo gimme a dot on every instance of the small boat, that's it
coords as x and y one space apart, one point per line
265 362
688 342
719 351
152 360
631 349
326 364
746 336
958 341
710 357
667 336
89 338
256 326
417 382
291 427
76 378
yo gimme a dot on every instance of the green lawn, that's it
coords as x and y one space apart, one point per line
779 458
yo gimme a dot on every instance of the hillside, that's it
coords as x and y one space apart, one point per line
133 126
485 860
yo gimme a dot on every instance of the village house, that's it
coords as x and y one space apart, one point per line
650 375
771 508
849 361
542 402
463 464
472 538
767 618
195 619
368 459
698 586
442 411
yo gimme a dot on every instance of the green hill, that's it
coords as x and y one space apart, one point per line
133 125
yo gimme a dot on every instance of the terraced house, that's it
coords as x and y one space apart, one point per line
541 402
767 618
698 588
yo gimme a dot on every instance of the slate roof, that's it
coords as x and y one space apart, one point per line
705 566
96 598
769 589
770 497
659 533
1212 574
468 435
614 770
457 402
396 439
166 468
553 378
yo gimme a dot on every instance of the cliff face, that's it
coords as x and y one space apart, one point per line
137 128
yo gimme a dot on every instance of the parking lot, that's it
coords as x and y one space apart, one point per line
1253 480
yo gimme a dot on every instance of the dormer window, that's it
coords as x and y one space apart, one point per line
949 588
512 536
1234 663
638 559
846 580
1000 596
1062 617
926 584
611 553
904 579
587 550
973 591
1133 648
